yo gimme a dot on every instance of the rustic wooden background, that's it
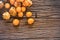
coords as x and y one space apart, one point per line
46 26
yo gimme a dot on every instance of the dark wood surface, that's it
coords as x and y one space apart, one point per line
46 26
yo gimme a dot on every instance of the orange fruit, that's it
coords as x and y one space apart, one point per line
28 14
27 3
12 2
17 0
20 14
18 9
22 0
23 9
7 5
6 15
16 4
16 22
1 4
13 11
30 2
30 21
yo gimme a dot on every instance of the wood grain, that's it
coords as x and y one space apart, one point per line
46 26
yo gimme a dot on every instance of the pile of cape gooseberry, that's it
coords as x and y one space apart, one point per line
16 8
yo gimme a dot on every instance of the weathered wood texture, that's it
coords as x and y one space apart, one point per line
46 26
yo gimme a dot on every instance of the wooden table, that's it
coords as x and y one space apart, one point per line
46 26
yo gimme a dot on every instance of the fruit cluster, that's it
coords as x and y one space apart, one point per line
17 9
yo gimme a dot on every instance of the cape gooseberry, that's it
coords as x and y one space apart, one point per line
16 22
6 15
7 5
28 14
20 14
30 21
1 4
12 2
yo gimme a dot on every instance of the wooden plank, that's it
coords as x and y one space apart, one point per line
46 26
46 2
